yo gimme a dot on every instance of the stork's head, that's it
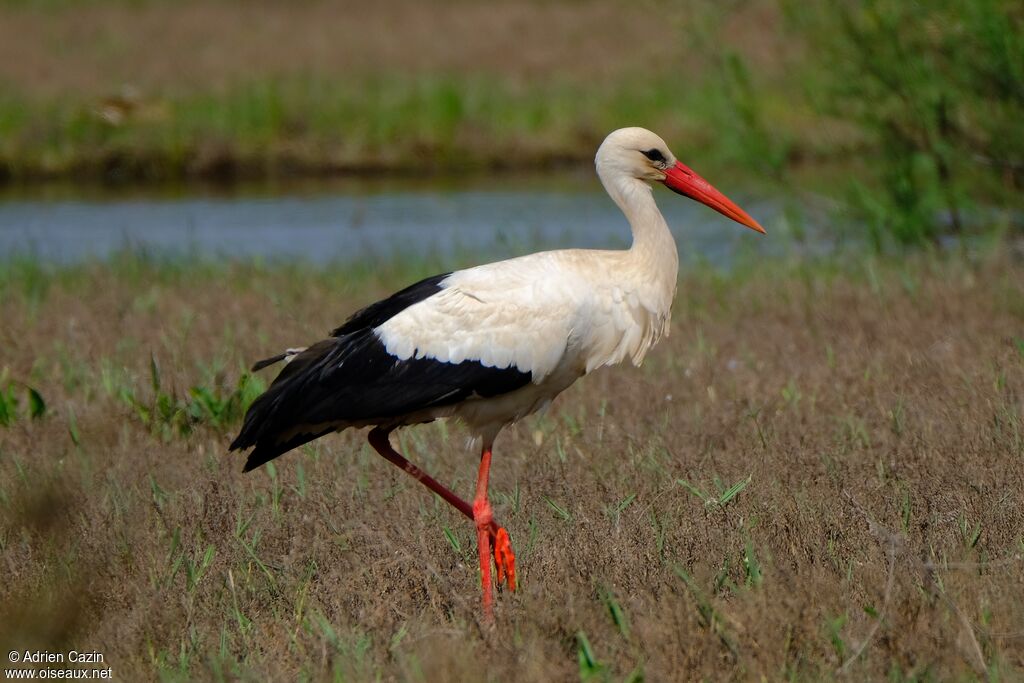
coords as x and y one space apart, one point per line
639 153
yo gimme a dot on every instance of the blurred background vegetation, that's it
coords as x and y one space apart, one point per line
909 112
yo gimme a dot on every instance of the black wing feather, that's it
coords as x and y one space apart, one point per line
351 377
266 451
378 313
354 379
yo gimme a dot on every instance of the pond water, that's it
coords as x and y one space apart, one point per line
345 221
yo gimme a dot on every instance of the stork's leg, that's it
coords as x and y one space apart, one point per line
378 438
483 516
504 558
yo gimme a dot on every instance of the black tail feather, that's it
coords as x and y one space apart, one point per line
273 414
266 451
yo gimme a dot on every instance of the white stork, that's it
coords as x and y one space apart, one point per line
491 344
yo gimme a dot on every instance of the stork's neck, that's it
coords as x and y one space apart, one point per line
654 249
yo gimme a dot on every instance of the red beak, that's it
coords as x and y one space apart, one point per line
683 180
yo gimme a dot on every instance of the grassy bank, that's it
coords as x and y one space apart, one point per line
156 90
315 126
817 475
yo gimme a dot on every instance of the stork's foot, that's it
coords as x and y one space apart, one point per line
504 559
483 517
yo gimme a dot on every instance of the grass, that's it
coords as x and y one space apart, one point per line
87 92
815 477
308 125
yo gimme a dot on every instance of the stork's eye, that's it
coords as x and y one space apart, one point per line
654 155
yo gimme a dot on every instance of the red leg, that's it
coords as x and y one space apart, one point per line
379 440
483 516
504 558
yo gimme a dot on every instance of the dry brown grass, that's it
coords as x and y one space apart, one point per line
875 408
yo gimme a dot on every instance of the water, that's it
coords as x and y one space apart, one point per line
348 221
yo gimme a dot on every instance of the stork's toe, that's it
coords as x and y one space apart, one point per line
505 559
